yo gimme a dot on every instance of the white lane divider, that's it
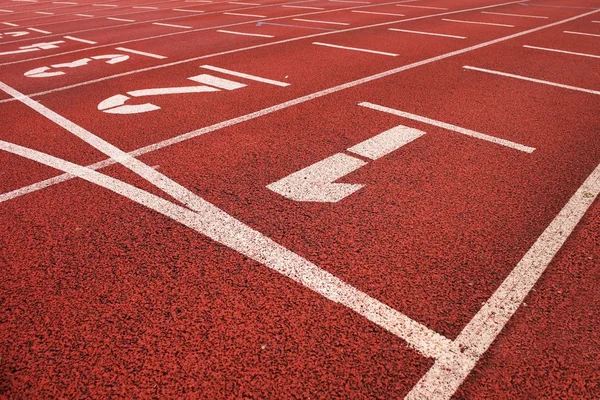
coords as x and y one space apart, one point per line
245 76
9 24
244 4
105 5
141 53
244 15
7 11
172 25
355 49
244 33
377 13
349 1
188 11
304 7
426 33
460 21
43 12
514 15
39 31
80 40
316 183
561 51
86 15
120 19
582 33
449 127
145 8
424 7
319 21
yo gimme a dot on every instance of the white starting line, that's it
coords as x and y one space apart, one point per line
85 15
426 33
244 15
244 34
582 33
120 19
141 53
39 31
476 22
9 24
355 49
171 25
245 76
314 21
514 15
304 7
188 11
80 40
562 51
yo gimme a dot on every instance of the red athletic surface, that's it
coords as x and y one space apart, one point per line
102 298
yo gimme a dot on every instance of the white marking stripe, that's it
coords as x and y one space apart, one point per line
6 11
141 53
39 31
79 40
426 33
146 8
308 8
386 142
244 4
85 15
172 25
220 83
9 24
189 11
245 76
319 22
525 78
428 8
355 49
450 127
245 15
377 13
582 33
269 110
245 34
476 23
63 2
448 372
514 15
348 1
562 51
105 5
120 19
223 228
43 13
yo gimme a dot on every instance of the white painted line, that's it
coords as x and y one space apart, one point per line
85 15
428 8
245 15
355 49
450 127
245 76
42 12
348 1
426 33
141 53
386 142
172 25
9 24
64 2
319 22
316 183
476 23
206 218
562 51
198 1
7 11
146 8
105 5
377 13
79 40
244 34
244 4
447 374
39 31
188 11
120 19
596 22
514 15
582 33
220 83
525 78
304 7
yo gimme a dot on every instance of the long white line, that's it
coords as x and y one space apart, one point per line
514 15
377 13
80 40
188 11
303 7
85 15
245 76
450 127
141 53
269 110
426 33
476 22
120 19
39 31
42 12
424 7
9 24
145 8
355 49
526 78
319 22
244 34
349 1
7 11
213 222
244 15
582 33
448 372
105 5
562 51
244 4
171 25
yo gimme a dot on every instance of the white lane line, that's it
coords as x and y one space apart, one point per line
244 4
80 40
450 127
105 5
220 83
120 19
476 22
386 142
85 15
425 7
304 7
9 24
319 22
198 1
64 2
526 78
383 53
171 25
42 12
582 33
269 110
377 13
449 371
39 31
188 11
244 34
245 15
208 219
348 1
141 53
245 76
514 15
562 51
7 11
596 22
146 8
426 33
